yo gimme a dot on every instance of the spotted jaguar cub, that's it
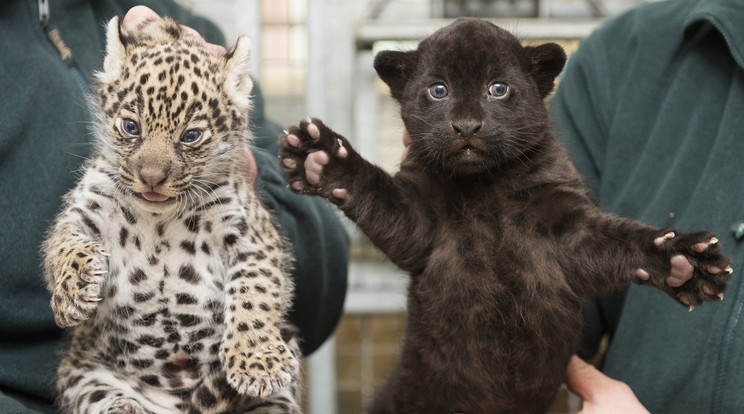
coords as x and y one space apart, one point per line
164 261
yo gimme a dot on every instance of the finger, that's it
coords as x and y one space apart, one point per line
248 165
193 33
405 154
406 144
406 138
214 49
681 271
582 378
137 16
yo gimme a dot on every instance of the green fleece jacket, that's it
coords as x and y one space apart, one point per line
44 136
651 107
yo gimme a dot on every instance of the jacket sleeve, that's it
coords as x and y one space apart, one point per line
319 241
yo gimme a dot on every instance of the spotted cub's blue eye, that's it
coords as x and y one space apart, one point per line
438 91
130 128
191 137
498 90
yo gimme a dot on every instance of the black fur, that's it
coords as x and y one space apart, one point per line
493 223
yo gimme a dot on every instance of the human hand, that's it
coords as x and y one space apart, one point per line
406 144
600 393
139 15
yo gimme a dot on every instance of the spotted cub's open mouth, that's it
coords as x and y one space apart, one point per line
154 197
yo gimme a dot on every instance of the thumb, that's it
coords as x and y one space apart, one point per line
406 144
248 166
137 16
582 379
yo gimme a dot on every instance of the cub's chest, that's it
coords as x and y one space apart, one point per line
165 258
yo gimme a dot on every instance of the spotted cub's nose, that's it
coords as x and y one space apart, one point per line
153 177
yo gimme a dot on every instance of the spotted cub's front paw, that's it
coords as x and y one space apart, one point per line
316 160
78 288
262 370
710 269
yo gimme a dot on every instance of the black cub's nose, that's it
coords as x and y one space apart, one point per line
467 127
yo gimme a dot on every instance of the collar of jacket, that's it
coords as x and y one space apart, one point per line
726 16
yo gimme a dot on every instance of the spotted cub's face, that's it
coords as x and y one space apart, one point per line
173 117
472 96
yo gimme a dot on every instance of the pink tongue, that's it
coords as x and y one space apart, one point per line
154 197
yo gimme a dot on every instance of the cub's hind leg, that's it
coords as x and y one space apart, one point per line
86 389
286 401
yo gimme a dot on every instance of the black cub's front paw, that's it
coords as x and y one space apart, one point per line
710 269
315 159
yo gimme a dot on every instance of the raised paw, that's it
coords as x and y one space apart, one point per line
263 372
78 288
697 271
315 160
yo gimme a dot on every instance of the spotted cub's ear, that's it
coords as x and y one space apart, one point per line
545 63
238 82
396 68
115 53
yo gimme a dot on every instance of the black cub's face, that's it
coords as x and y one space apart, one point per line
472 96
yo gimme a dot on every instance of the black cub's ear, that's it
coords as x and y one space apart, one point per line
395 69
545 63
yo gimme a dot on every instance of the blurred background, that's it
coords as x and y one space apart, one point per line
314 58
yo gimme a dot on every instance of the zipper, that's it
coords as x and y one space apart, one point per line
43 12
55 37
722 371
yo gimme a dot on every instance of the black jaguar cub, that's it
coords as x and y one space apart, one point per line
493 223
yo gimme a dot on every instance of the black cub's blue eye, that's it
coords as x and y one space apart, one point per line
191 137
498 90
438 91
130 127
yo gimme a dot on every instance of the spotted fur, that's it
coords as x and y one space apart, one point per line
164 263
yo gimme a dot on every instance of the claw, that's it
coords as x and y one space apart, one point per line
720 295
105 254
692 307
660 240
96 272
730 270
